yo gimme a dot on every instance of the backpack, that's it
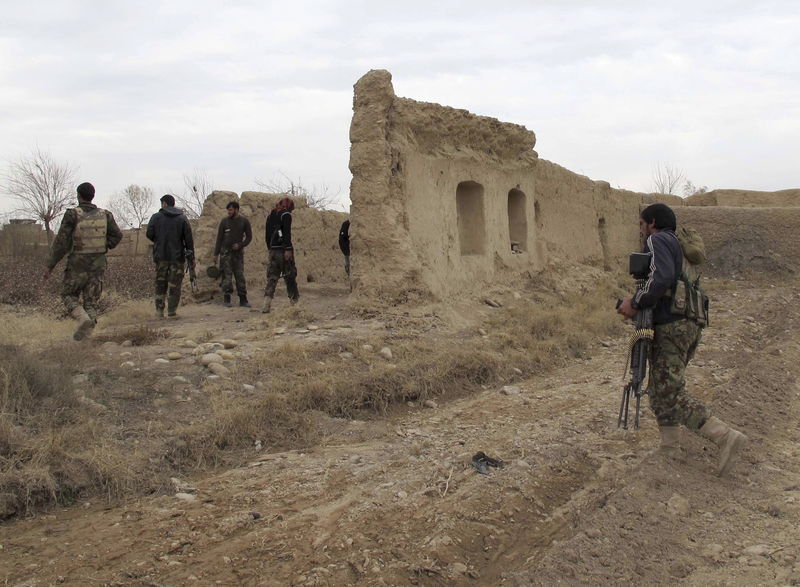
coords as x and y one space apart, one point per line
688 298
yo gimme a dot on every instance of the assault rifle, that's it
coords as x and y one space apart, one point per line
639 345
191 269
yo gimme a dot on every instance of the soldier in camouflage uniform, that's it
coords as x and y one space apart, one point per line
86 233
171 234
674 344
233 235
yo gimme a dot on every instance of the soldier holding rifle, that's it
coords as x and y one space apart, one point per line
677 324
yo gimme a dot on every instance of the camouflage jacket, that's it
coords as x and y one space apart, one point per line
63 243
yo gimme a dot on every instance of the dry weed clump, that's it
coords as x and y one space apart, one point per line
538 336
53 447
269 419
24 326
138 335
302 380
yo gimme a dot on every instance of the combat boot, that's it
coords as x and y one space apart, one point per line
159 313
85 323
243 302
267 305
226 300
729 440
670 442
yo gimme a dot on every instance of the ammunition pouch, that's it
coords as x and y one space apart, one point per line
690 301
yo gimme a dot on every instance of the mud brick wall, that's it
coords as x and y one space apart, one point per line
444 201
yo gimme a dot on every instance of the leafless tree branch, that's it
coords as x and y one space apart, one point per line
42 187
197 186
667 178
317 196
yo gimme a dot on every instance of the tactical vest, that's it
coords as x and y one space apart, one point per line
89 236
688 298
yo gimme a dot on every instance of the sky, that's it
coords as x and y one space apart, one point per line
145 92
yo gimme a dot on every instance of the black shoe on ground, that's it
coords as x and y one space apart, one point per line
226 300
243 302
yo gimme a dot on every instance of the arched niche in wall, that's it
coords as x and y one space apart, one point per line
517 220
471 219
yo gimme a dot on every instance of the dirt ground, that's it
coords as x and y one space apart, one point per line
393 500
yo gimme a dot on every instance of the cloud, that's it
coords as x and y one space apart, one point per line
144 92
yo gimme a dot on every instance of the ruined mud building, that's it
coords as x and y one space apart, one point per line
444 201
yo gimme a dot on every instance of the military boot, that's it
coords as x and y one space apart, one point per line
226 300
670 442
729 440
85 323
243 302
267 305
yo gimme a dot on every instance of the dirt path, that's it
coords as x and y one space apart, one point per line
395 501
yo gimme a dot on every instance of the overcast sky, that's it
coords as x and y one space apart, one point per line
143 92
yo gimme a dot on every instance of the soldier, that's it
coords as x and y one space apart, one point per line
233 236
171 234
344 245
278 235
86 233
676 339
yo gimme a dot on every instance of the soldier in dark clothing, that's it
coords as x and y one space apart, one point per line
674 344
171 234
86 233
344 244
278 235
233 236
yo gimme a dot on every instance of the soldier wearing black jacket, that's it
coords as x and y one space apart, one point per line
278 235
344 245
171 234
674 344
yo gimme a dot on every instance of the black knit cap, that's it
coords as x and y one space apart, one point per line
86 191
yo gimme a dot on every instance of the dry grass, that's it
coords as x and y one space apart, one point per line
54 448
301 379
125 311
138 335
30 328
51 448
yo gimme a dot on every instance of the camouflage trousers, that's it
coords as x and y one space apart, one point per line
673 347
278 265
169 277
86 283
231 263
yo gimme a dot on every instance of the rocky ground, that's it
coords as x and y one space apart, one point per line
394 500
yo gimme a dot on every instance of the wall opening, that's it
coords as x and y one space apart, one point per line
517 221
471 221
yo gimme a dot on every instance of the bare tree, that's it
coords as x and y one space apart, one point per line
316 196
689 189
196 188
667 178
132 208
42 187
